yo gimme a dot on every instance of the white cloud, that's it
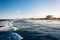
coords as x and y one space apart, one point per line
18 11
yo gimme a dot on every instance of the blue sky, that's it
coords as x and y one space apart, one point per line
29 8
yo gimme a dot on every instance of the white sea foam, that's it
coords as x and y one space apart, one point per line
7 25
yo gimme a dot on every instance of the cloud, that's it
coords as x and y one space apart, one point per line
18 11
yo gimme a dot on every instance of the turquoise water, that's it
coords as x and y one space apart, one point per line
38 29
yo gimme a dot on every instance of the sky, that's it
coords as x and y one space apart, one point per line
29 8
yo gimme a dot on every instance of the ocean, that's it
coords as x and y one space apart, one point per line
38 29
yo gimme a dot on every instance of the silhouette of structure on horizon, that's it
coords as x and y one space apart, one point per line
48 17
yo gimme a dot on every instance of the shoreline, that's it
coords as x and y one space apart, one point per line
47 20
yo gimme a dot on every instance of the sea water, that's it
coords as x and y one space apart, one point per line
6 31
38 29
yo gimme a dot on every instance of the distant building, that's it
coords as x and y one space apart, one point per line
49 17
